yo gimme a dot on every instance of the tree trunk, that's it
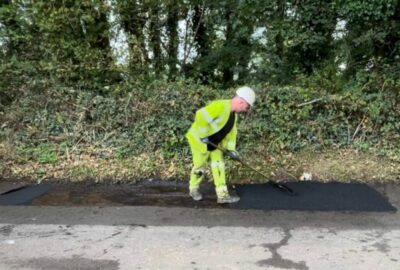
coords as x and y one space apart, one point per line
280 15
10 25
202 39
99 32
391 45
155 37
228 64
133 19
172 29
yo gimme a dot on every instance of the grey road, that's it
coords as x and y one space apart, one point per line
145 237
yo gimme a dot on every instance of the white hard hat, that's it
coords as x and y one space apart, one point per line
247 94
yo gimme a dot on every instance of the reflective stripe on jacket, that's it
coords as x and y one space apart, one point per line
208 121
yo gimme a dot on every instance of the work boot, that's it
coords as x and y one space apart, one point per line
223 196
228 199
195 194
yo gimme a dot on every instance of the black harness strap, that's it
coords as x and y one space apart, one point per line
217 137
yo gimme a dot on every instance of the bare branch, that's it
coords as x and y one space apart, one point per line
309 102
358 128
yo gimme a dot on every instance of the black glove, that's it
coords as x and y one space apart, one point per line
233 154
205 140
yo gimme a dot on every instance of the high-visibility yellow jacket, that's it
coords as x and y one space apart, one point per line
208 121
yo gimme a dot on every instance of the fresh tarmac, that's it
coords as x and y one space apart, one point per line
153 237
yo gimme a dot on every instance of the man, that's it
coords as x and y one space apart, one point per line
216 123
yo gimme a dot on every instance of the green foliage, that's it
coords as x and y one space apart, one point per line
144 118
68 42
61 89
372 33
43 153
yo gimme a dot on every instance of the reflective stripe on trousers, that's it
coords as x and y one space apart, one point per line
200 164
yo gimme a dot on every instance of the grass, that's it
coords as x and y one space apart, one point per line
52 161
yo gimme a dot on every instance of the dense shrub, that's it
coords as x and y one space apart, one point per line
137 117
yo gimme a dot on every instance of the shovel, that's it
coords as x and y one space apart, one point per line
281 187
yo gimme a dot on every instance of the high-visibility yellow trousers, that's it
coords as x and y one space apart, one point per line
200 161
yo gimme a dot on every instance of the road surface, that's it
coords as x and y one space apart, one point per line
148 237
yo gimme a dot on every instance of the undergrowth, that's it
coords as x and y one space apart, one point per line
136 130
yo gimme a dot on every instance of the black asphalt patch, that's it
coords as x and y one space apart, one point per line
314 196
23 195
311 196
6 186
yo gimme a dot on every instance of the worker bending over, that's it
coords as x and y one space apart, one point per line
216 123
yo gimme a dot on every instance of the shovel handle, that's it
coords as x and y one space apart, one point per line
273 183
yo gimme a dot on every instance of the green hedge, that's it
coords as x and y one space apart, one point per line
137 116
